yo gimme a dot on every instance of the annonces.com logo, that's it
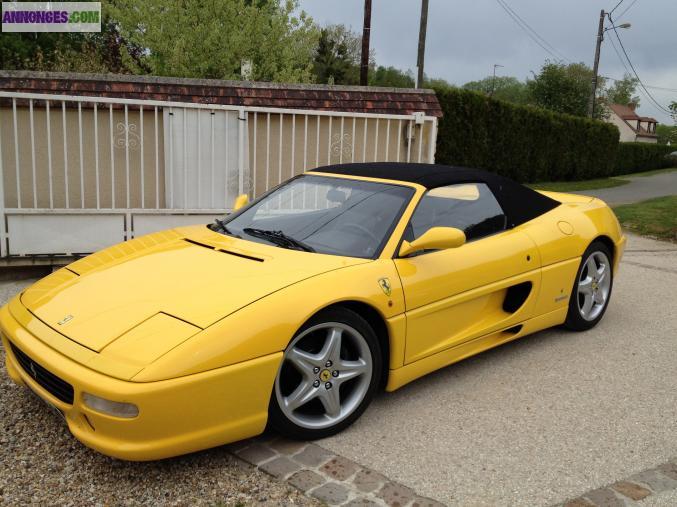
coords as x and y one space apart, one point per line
51 17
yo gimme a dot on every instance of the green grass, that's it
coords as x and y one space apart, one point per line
648 173
569 186
656 217
616 181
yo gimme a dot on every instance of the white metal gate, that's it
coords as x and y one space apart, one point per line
80 173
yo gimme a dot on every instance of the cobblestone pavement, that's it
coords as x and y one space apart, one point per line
654 486
326 476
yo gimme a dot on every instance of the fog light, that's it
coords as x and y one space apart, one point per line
115 408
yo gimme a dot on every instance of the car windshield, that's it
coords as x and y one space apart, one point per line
337 216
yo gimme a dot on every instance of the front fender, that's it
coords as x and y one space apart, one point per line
267 325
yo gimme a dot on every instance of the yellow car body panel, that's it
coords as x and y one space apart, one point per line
253 270
470 295
190 325
176 416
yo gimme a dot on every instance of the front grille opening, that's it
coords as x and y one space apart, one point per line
57 387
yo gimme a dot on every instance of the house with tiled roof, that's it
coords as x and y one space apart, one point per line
632 127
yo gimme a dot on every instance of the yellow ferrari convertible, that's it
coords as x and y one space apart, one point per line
295 309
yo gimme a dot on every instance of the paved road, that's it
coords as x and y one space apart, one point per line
640 188
545 418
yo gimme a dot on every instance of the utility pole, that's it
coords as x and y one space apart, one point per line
493 80
366 31
421 42
595 66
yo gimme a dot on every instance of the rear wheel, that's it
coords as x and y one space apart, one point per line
592 288
328 376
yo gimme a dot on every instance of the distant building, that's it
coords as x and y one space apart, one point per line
633 128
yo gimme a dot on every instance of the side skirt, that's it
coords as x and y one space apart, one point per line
402 376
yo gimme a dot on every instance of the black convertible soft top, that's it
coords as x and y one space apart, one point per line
520 204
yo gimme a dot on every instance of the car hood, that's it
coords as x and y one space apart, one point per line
192 274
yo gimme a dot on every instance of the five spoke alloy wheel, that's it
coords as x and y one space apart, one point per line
594 285
592 288
326 378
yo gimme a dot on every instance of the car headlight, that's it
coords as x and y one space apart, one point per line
114 408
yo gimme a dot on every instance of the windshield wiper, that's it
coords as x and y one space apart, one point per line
279 238
220 226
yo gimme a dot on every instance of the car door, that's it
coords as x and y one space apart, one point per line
458 294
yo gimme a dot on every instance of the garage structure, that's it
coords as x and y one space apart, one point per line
91 160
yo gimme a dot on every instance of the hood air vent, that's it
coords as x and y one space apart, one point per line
211 247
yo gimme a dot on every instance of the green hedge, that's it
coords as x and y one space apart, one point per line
524 143
638 157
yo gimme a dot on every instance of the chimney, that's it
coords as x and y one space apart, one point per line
632 106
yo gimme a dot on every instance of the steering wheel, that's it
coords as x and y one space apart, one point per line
362 229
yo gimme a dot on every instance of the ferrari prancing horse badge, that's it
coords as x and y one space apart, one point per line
385 286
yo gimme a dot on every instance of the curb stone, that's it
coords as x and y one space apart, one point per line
321 474
629 491
336 480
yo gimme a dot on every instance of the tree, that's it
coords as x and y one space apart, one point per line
565 89
437 83
206 39
106 51
622 91
391 77
505 88
337 58
666 133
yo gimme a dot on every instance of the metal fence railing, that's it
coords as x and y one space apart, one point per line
78 173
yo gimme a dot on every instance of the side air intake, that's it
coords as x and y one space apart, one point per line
516 296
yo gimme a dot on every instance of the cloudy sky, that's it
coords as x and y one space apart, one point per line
467 37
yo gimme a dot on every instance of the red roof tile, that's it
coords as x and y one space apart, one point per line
628 113
238 93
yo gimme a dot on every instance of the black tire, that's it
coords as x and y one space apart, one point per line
278 420
575 320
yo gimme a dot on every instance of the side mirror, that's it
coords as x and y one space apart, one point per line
240 201
435 238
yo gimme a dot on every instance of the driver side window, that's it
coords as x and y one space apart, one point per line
470 207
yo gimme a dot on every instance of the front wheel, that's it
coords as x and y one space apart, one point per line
328 376
592 288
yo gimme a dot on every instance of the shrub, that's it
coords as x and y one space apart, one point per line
522 142
638 157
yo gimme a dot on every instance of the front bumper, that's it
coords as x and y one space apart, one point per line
176 416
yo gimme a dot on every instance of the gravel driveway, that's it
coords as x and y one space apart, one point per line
42 464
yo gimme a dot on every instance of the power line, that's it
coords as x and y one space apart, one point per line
618 54
648 86
553 48
627 69
617 5
533 35
662 108
627 8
